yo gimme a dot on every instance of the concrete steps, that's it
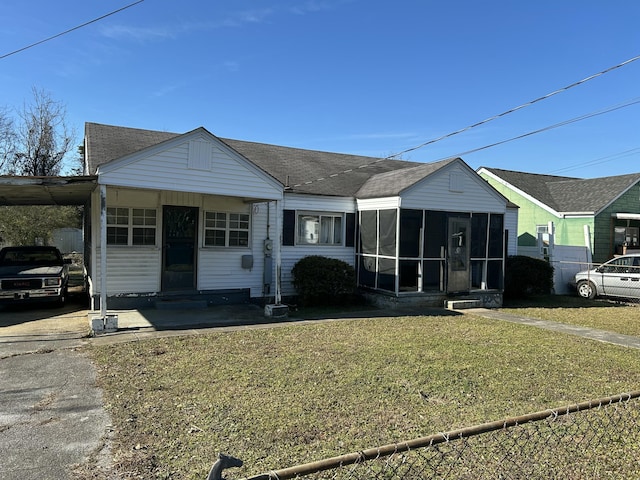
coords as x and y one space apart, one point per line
462 304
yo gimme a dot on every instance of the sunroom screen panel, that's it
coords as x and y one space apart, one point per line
368 231
387 245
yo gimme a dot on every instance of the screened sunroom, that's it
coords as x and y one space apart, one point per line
405 251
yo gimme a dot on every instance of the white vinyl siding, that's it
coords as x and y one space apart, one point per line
130 270
201 165
511 225
471 194
318 203
291 254
221 268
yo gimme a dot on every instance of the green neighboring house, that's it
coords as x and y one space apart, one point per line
608 206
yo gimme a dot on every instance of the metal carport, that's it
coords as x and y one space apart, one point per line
51 190
46 190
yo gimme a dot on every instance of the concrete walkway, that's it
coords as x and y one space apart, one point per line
592 333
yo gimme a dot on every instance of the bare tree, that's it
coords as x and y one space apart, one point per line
42 137
35 143
7 138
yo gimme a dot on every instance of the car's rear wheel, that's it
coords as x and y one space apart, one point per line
586 289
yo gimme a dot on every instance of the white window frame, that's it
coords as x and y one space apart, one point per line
125 219
311 228
232 225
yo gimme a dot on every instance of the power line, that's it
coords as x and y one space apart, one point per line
524 135
70 30
551 127
539 99
598 161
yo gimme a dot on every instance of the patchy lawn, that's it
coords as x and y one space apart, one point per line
601 314
299 393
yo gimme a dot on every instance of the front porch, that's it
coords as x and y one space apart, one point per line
472 299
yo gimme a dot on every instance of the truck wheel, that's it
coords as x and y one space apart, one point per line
62 300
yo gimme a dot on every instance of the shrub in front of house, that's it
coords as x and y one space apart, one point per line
321 280
526 276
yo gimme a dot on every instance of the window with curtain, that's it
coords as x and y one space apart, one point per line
319 229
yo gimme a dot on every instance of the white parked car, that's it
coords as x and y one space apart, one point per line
619 277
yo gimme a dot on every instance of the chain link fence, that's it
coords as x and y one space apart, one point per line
591 440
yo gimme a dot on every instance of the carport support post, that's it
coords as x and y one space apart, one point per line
103 323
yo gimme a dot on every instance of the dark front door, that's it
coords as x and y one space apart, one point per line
458 278
180 236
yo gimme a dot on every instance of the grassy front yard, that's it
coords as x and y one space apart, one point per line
299 393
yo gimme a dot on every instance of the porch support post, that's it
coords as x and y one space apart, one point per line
103 251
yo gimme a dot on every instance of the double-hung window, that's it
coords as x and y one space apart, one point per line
131 226
224 229
319 228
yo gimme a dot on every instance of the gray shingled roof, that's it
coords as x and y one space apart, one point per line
304 171
390 183
569 194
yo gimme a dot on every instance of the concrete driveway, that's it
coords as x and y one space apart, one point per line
35 320
51 414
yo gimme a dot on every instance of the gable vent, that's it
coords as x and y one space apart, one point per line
199 155
456 182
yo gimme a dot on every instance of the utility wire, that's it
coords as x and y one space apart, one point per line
598 161
540 130
551 127
70 30
539 99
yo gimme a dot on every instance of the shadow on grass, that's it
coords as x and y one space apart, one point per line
366 311
245 315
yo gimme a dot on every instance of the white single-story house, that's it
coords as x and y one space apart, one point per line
177 215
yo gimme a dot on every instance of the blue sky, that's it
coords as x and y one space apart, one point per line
367 77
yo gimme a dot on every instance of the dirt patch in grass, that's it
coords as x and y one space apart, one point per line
295 394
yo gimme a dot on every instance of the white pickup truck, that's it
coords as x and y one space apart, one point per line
33 274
